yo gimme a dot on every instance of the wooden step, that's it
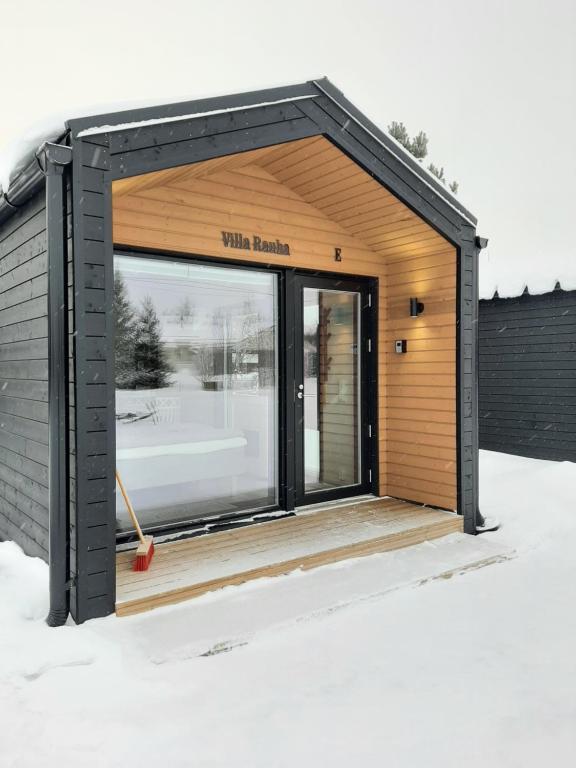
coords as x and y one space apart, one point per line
185 569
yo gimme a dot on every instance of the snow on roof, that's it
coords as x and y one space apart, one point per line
94 130
16 154
512 276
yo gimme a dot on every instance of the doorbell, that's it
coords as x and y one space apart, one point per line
400 346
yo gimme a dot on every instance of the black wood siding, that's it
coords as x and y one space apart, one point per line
24 379
528 375
92 417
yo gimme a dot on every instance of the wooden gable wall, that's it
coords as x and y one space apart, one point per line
314 197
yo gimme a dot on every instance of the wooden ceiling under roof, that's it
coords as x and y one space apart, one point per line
324 177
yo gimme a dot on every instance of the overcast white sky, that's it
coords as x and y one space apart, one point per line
492 82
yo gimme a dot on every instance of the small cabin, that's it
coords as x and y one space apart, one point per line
261 313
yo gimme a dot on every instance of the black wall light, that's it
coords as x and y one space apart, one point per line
416 307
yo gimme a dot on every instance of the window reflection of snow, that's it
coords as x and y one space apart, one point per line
206 443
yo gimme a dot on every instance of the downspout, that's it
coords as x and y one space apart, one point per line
53 160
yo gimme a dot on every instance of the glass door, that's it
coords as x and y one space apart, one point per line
331 404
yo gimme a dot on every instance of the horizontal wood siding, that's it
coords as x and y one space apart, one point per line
527 369
313 197
420 414
24 379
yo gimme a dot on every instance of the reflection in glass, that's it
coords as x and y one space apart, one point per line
331 389
196 382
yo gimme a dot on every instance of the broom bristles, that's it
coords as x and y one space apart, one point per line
144 554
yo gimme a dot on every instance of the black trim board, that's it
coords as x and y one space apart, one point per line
466 377
235 139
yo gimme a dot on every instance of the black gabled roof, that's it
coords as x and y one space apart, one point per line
29 180
308 90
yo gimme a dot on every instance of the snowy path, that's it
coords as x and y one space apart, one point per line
477 670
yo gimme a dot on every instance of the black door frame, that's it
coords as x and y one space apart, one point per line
361 286
288 455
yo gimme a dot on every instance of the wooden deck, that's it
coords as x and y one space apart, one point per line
185 569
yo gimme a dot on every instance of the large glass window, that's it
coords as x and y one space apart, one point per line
196 389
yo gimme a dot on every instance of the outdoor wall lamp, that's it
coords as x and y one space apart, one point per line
416 307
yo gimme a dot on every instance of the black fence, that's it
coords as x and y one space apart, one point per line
527 375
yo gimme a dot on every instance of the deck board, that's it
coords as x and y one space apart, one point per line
184 569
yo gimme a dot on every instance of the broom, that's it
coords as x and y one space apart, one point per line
146 546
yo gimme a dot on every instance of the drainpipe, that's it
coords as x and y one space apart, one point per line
53 159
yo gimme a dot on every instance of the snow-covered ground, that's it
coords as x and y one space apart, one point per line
477 670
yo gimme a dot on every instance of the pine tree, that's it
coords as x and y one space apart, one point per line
399 132
419 146
125 334
438 172
152 370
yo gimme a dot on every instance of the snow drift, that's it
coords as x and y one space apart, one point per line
511 276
